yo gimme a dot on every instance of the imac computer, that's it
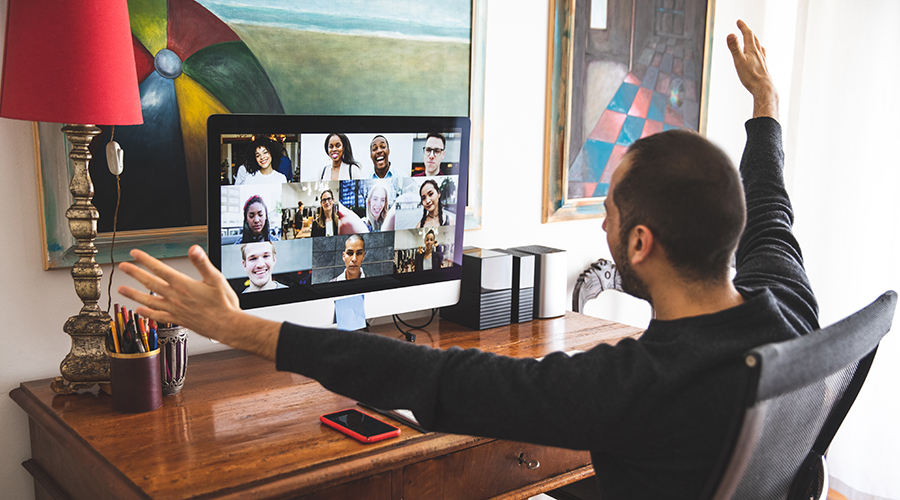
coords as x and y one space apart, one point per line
305 210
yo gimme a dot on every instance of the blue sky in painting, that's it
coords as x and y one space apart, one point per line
447 20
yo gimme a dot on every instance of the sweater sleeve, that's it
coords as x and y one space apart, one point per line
768 255
468 391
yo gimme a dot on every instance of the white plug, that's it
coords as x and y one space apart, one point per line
114 157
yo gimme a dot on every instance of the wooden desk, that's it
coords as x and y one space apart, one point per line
239 429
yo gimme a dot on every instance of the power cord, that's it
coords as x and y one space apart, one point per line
411 337
112 246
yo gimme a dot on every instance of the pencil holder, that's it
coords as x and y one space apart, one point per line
134 381
173 358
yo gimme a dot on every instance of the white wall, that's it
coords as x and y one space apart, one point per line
33 343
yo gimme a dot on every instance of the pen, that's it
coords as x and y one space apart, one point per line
153 335
140 327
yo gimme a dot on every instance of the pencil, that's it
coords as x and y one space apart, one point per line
115 335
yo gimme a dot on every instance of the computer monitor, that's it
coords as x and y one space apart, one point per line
299 214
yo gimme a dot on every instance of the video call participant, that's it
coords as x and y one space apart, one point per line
260 163
435 146
376 207
333 219
256 222
326 221
342 167
298 219
656 413
380 152
432 206
258 260
353 255
430 256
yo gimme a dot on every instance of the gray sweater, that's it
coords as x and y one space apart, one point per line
655 413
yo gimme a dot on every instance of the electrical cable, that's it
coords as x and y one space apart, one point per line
112 246
411 337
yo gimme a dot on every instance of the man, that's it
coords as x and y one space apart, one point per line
435 147
258 260
656 413
353 255
380 151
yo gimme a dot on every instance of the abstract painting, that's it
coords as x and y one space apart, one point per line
619 70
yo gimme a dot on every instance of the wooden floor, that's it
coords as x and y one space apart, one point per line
832 495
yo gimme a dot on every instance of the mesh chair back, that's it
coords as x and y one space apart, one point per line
800 392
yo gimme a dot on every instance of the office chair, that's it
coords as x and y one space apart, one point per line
798 394
597 278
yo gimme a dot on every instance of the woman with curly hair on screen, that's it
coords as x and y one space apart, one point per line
261 163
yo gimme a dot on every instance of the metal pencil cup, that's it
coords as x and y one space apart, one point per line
172 358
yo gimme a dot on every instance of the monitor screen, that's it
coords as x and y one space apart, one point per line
305 208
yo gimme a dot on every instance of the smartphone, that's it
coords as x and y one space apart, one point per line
359 425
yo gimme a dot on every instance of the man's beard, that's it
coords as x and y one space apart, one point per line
631 282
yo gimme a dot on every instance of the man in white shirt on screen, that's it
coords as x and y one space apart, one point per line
258 260
353 255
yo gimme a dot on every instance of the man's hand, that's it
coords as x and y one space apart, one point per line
753 73
209 307
348 221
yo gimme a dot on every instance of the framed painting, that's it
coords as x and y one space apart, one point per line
199 57
618 70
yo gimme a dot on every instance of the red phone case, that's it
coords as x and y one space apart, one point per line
359 437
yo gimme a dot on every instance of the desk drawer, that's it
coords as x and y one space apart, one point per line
487 470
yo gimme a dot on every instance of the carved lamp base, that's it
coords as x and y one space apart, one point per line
87 363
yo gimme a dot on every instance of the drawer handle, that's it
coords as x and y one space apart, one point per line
530 464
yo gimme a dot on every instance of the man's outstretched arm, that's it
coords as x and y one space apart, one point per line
209 307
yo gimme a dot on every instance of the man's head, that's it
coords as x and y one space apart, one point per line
685 191
435 146
354 253
259 260
380 150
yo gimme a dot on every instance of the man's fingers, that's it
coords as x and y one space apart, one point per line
748 34
156 266
201 262
733 45
155 315
150 281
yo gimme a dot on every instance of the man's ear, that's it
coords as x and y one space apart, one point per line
640 244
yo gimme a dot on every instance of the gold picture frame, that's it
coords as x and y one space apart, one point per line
590 118
51 154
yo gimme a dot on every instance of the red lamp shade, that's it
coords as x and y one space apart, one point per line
70 61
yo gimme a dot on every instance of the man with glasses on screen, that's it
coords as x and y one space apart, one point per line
435 146
353 255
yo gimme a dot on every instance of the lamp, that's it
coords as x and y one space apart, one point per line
72 62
